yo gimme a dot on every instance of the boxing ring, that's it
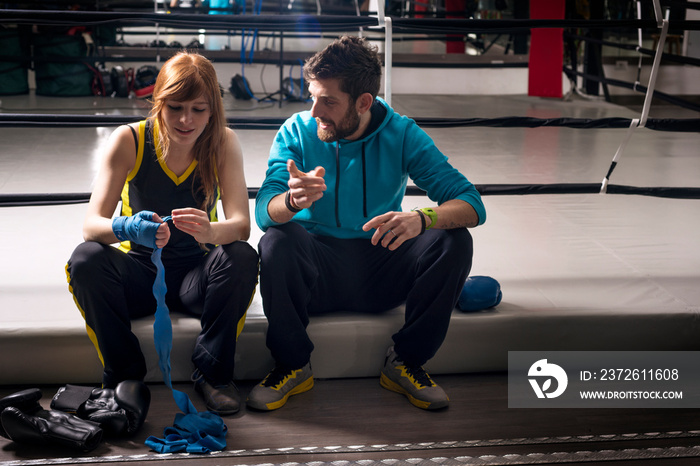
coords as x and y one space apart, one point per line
592 222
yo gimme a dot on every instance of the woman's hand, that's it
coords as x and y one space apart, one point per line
194 222
162 233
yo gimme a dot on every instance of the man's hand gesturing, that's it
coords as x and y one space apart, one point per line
305 188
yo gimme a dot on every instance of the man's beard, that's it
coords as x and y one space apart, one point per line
347 127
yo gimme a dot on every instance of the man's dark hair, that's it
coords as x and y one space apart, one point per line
352 60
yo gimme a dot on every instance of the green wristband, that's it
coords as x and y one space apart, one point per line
432 215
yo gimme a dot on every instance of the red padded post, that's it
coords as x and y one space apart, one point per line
546 50
455 9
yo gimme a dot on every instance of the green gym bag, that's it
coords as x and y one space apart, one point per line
57 73
13 73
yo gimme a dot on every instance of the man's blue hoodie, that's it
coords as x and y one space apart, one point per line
365 177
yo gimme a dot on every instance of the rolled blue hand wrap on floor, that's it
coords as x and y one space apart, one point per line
193 432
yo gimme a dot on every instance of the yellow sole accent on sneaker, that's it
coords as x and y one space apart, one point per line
389 384
305 386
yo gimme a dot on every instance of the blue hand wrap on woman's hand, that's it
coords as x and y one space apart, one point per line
138 228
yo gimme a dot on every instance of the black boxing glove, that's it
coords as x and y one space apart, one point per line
120 411
26 401
23 420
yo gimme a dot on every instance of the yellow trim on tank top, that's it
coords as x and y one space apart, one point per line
126 205
214 211
126 209
159 155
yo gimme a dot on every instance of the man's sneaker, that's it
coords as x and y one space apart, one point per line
413 382
221 399
279 385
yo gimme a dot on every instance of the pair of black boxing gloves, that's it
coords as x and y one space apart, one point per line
79 416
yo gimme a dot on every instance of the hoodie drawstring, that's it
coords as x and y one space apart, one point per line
337 183
364 183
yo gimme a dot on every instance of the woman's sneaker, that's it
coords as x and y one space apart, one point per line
278 386
413 382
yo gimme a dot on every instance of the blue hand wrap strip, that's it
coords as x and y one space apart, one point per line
163 333
193 432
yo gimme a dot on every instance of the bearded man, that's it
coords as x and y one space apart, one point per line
336 238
